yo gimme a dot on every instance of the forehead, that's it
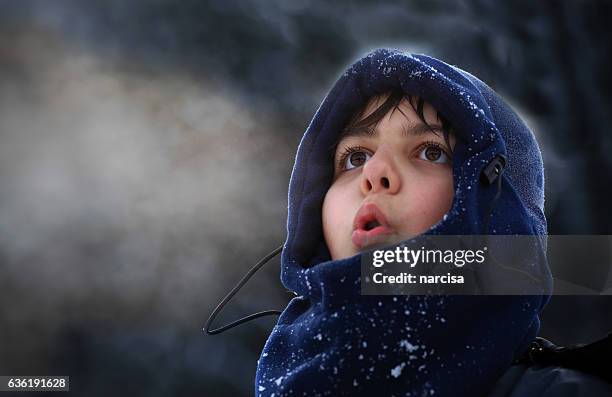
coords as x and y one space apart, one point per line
407 106
403 116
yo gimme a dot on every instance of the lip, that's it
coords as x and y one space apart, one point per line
367 213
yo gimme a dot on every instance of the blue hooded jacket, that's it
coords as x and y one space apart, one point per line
330 339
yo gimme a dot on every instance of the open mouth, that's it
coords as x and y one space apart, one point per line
370 226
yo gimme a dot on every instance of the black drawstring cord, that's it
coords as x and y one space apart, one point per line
490 173
494 170
492 204
233 292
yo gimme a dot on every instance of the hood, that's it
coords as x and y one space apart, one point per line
330 339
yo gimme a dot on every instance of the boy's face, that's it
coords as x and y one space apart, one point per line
390 183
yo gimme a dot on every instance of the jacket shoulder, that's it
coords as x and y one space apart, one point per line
550 370
521 380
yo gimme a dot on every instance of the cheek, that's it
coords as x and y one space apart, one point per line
333 211
339 207
327 214
430 202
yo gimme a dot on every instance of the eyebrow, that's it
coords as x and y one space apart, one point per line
414 130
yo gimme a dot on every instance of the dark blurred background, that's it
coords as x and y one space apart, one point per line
146 148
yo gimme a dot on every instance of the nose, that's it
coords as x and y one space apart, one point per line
379 174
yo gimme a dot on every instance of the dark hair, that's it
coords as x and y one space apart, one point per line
392 103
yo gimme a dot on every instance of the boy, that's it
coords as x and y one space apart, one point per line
404 146
400 162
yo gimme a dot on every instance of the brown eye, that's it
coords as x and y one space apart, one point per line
356 159
434 154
